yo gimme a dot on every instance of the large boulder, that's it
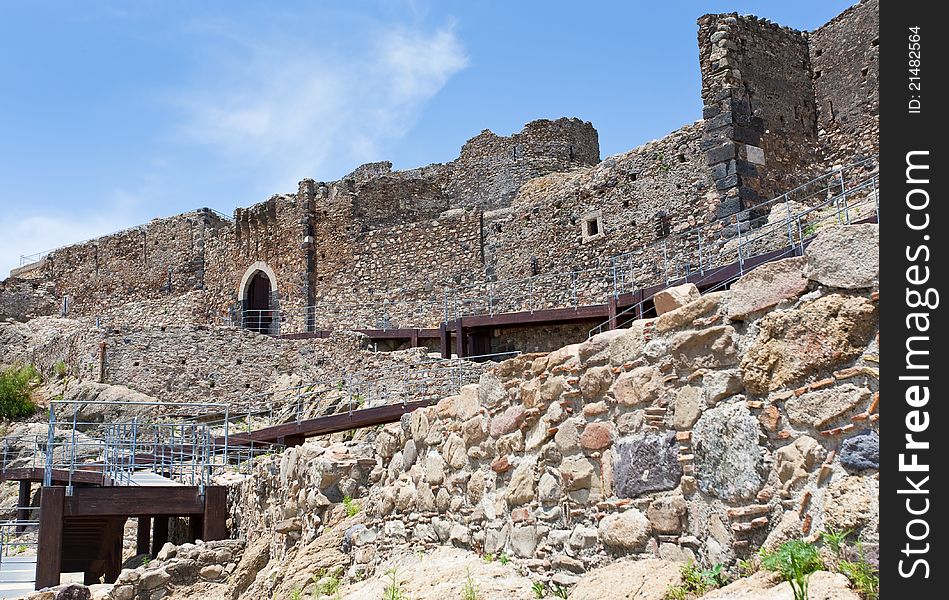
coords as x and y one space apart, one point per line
675 297
628 580
711 348
766 286
845 256
813 338
728 459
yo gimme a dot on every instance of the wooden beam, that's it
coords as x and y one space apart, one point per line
215 513
113 562
461 338
444 339
195 527
413 341
143 539
24 497
133 501
544 316
49 551
159 534
365 417
59 476
611 311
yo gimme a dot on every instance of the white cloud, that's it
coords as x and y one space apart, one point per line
290 111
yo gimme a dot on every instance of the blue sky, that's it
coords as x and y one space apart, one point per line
112 113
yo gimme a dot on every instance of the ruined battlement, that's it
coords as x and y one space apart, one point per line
781 106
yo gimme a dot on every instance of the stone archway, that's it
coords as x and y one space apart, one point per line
257 291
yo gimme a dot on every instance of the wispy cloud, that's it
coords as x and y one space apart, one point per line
291 110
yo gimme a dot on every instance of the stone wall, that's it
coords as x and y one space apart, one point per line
491 168
844 56
761 117
734 420
165 257
24 299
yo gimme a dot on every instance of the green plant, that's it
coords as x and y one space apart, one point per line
60 369
488 558
504 559
864 578
296 594
835 539
15 386
539 589
352 507
560 591
393 590
747 567
795 560
470 589
696 582
325 585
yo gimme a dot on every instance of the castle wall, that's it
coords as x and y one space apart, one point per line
844 56
491 168
760 111
163 257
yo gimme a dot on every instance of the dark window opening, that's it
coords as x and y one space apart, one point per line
632 177
625 203
875 42
663 224
819 52
682 158
864 71
593 227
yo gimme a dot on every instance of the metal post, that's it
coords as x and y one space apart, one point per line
701 265
573 287
876 197
787 204
665 261
530 295
741 259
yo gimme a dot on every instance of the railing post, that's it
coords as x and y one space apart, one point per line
701 265
665 261
787 204
741 258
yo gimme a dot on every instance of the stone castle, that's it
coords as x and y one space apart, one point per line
781 106
584 459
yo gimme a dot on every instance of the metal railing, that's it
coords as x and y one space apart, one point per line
424 381
787 237
677 255
132 451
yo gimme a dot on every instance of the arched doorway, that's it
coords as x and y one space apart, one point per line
257 293
257 315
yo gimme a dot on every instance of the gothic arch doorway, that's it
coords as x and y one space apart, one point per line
258 290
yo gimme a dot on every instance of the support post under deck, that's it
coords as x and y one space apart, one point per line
49 552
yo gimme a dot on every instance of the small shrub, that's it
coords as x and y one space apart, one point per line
470 589
393 590
835 539
747 567
488 558
504 559
15 386
560 591
795 561
696 582
60 369
864 578
351 506
539 589
296 594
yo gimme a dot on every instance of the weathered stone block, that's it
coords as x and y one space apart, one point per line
766 286
675 297
845 256
644 463
728 459
861 451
